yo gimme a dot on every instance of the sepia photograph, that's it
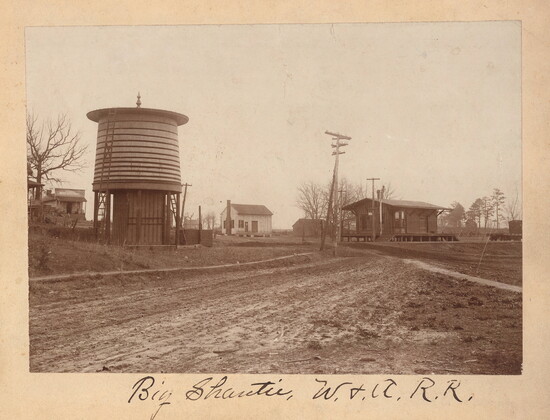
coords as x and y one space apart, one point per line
275 198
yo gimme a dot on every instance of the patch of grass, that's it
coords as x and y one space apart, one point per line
68 256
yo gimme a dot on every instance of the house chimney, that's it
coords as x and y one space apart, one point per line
228 218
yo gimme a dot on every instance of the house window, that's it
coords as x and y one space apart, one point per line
224 223
232 224
241 224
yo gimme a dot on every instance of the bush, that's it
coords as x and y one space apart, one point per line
44 257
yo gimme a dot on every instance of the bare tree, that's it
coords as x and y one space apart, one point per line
52 146
513 208
347 193
187 218
312 200
388 192
209 220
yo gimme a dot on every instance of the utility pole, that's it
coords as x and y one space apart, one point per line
200 225
329 212
181 221
183 204
382 191
373 208
340 205
339 138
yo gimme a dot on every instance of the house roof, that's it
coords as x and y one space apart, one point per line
69 194
191 223
31 183
399 203
254 209
307 221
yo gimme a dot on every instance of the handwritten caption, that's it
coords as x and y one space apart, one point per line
425 389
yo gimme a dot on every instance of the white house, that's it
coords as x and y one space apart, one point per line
246 220
66 200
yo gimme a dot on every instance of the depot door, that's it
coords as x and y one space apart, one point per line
399 222
254 226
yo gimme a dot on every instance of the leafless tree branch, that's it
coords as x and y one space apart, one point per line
53 146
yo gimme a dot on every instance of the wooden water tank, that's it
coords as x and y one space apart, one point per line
137 163
145 149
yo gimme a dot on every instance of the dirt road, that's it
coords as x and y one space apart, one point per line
364 314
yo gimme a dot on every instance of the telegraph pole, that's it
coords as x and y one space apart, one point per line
329 212
183 204
181 221
373 208
340 205
382 191
339 138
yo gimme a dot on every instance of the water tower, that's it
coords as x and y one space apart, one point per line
137 175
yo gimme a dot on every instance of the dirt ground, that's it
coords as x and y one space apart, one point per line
364 313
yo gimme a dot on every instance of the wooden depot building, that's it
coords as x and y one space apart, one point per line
395 220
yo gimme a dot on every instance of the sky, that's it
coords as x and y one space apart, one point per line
432 108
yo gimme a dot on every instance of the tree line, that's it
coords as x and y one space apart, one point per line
487 211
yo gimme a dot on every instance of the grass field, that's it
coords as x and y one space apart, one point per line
501 261
49 255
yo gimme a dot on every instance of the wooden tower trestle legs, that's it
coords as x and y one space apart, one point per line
102 212
174 211
102 202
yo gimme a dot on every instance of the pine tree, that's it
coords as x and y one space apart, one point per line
498 199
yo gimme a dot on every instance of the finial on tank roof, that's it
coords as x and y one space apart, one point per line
138 103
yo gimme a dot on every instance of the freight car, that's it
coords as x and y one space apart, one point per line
514 232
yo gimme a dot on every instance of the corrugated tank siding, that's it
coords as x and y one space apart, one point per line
145 149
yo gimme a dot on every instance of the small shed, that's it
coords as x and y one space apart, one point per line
515 227
191 224
307 227
246 220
